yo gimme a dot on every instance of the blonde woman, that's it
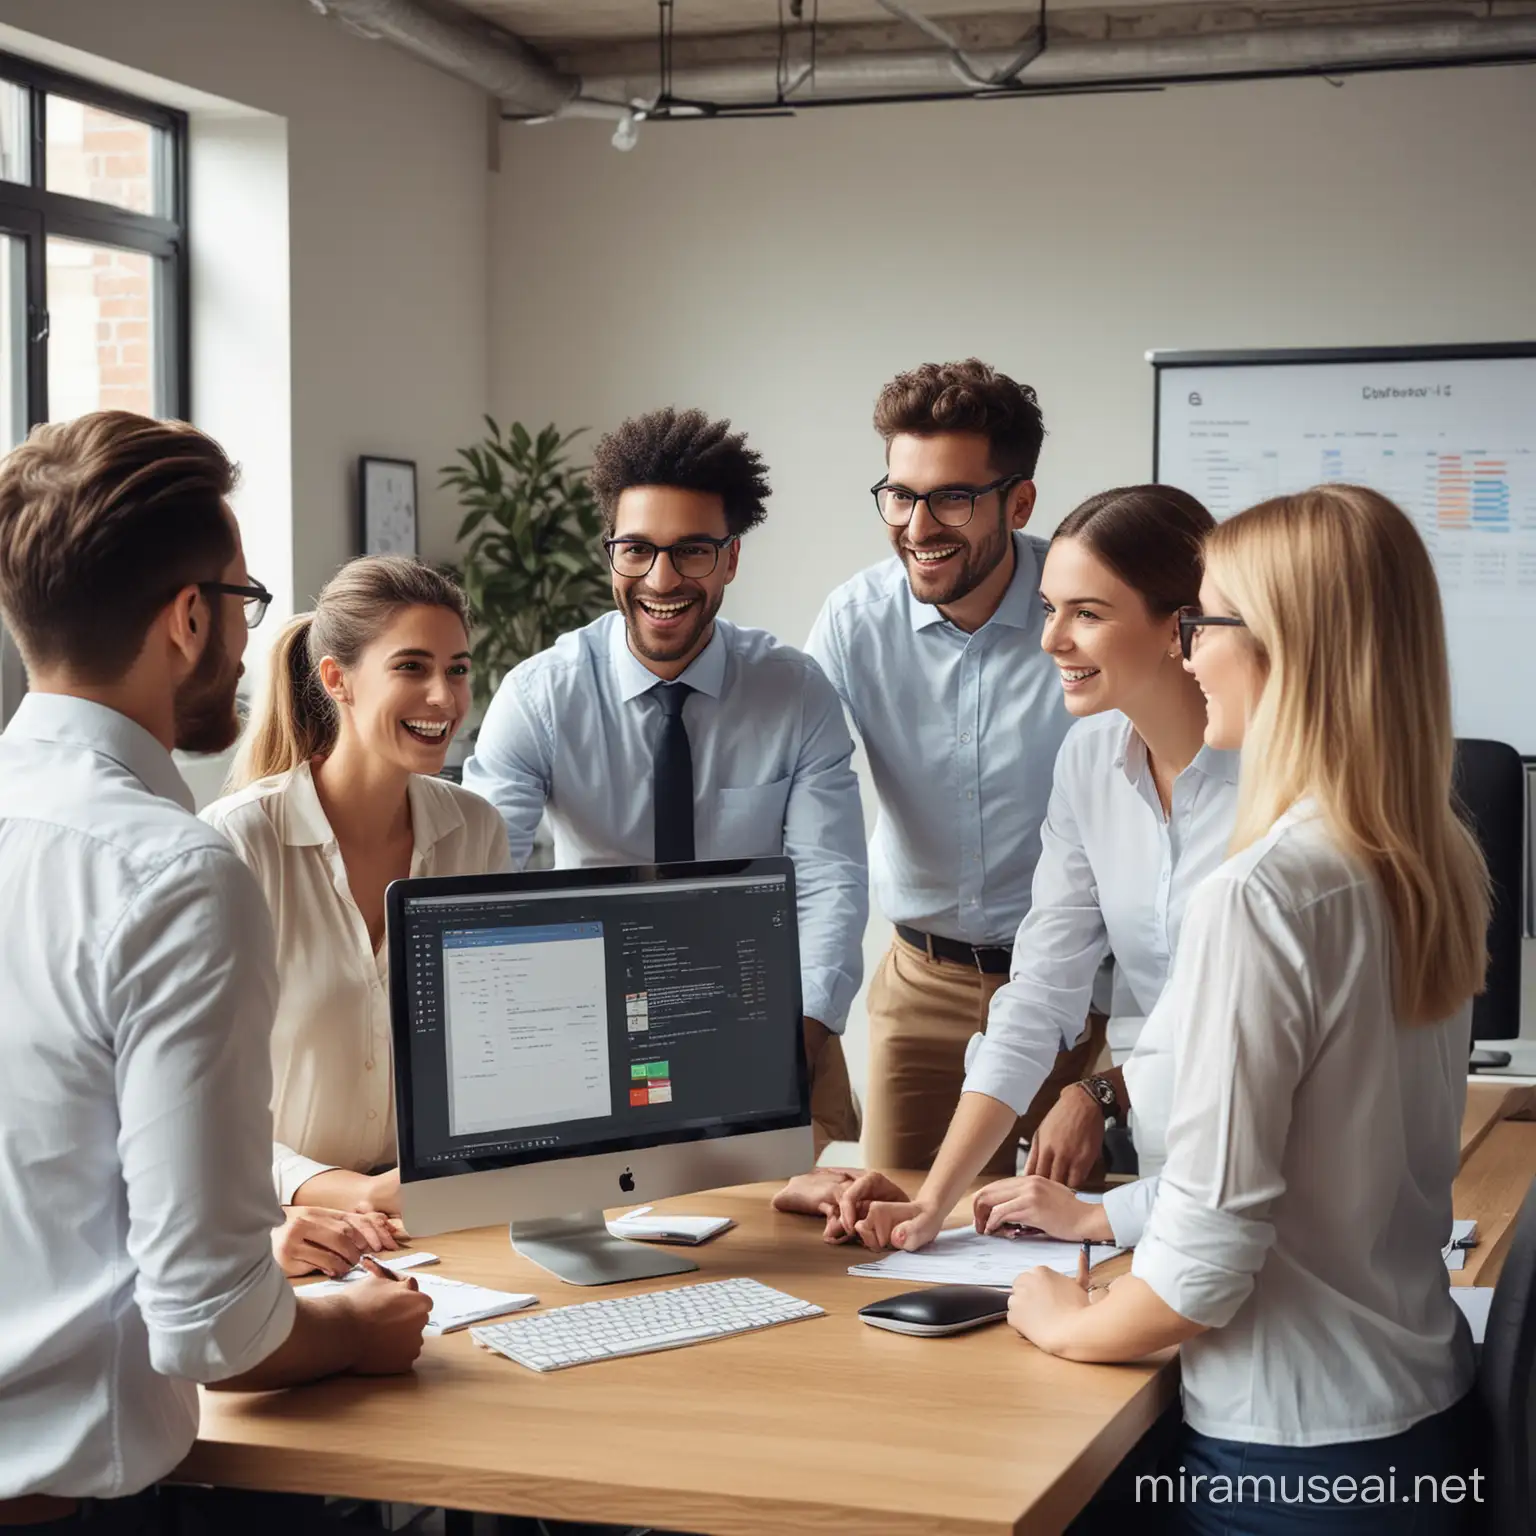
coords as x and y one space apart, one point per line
335 795
1319 1016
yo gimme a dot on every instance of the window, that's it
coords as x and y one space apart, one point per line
93 251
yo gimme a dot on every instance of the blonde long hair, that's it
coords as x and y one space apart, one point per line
1338 593
296 720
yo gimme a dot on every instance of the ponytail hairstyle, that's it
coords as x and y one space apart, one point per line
1341 603
296 720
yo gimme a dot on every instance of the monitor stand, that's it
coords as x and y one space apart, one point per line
581 1250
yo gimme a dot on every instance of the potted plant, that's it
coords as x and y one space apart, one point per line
531 565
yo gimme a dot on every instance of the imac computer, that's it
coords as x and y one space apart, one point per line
572 1039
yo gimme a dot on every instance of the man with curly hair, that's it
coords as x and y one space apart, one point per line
936 654
662 732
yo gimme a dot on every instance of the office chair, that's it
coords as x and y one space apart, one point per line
1490 786
1506 1382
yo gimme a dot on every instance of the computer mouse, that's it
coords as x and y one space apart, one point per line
938 1309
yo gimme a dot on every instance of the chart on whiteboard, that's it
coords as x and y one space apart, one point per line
1453 443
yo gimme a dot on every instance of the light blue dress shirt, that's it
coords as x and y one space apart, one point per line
574 730
137 985
961 733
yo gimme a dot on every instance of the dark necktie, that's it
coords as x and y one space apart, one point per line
674 778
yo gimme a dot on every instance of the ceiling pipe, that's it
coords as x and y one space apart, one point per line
519 76
1076 64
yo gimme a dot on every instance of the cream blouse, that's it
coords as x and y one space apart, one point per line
332 1054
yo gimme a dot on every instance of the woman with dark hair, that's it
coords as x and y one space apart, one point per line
1140 812
335 795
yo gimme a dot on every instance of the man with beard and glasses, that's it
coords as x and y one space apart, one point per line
936 654
137 989
664 733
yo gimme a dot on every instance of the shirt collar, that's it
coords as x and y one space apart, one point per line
1020 607
1131 759
74 722
303 823
704 674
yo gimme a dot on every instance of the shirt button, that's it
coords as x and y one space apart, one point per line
368 1065
373 1114
965 735
970 794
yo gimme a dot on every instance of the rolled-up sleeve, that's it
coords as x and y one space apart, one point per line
513 762
190 977
292 1170
1241 1030
1056 956
824 835
1127 1207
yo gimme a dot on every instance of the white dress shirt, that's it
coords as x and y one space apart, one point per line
1312 1139
960 731
1114 876
333 1102
136 993
574 729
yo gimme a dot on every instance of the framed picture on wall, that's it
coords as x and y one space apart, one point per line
386 493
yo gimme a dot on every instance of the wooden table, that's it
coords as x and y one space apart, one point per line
826 1425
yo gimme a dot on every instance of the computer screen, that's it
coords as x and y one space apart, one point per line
544 1016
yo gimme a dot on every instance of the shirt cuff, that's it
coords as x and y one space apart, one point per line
1200 1261
819 1002
1126 1207
290 1170
228 1336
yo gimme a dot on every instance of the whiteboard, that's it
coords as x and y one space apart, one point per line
1449 434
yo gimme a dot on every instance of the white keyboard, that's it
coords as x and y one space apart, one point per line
640 1325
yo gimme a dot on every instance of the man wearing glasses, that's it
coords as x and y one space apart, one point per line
936 655
663 733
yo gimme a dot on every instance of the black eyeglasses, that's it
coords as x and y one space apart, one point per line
257 598
692 558
952 505
1191 623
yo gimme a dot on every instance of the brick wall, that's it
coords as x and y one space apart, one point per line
116 155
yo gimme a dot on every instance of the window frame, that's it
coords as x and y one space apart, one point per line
29 212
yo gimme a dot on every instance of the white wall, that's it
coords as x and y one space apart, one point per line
387 267
779 271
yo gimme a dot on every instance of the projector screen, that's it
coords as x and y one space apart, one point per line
1448 433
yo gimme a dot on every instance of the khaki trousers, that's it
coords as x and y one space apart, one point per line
922 1013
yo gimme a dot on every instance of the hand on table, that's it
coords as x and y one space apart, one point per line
389 1313
312 1238
1069 1140
1030 1201
841 1195
899 1224
1042 1301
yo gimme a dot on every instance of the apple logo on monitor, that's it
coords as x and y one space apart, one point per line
627 1182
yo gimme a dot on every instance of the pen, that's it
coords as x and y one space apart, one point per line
1084 1265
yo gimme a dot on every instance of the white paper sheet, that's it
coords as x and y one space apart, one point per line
455 1303
962 1256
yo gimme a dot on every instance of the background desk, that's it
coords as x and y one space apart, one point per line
825 1425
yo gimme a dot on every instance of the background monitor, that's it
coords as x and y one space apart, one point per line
567 1040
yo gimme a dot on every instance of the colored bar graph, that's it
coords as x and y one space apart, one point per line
1453 492
1490 494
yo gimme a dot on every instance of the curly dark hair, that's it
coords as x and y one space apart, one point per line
966 397
687 450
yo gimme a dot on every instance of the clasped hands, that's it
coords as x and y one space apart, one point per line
866 1205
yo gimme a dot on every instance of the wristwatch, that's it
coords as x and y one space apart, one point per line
1102 1092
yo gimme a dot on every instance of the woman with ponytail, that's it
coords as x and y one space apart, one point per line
334 795
1318 1018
